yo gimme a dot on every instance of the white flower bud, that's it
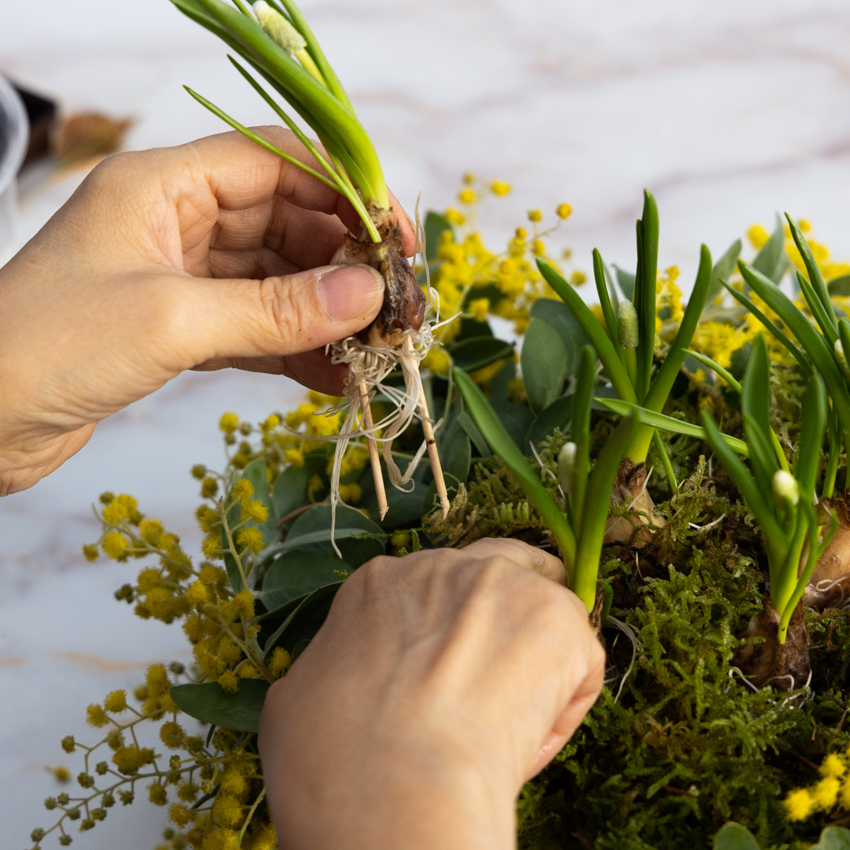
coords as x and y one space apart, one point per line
841 358
278 28
566 466
627 324
785 489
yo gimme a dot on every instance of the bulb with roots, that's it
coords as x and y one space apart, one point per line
399 337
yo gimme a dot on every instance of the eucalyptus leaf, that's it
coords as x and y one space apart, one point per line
516 418
556 415
299 573
455 449
210 703
290 488
471 328
471 430
771 260
405 506
435 226
478 352
594 333
839 286
734 836
560 317
545 362
626 282
500 382
722 269
358 537
303 619
833 838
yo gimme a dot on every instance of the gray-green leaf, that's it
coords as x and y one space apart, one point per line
298 573
771 260
358 538
546 362
478 352
735 836
833 838
210 703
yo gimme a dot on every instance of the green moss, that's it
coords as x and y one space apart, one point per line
688 746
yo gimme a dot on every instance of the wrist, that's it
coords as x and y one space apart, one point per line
393 803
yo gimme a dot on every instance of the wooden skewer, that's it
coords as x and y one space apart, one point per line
431 445
374 454
433 455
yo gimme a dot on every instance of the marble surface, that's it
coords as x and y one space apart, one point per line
727 111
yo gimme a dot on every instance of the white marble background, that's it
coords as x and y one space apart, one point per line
727 111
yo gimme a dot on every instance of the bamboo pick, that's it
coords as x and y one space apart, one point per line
431 444
374 454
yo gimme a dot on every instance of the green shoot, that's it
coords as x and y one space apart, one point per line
781 502
628 355
280 46
823 352
579 535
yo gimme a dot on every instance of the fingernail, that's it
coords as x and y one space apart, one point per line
351 292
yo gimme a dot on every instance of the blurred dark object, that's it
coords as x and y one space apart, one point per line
73 138
41 113
82 135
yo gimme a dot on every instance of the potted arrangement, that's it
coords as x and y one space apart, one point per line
716 584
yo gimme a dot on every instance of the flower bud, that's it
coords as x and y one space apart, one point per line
627 324
278 28
785 489
841 358
566 466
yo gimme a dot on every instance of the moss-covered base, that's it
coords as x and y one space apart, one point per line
687 745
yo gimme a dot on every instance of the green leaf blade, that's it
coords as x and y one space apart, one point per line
502 445
598 339
210 703
545 365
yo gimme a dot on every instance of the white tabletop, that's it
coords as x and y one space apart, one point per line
728 112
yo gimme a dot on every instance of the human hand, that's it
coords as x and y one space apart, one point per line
438 684
207 255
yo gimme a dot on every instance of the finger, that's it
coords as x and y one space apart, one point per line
264 365
277 316
315 371
307 239
528 557
242 174
403 220
312 369
303 237
256 264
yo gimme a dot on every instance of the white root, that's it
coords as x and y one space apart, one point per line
369 366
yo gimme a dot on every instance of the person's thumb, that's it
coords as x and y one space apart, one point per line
281 315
